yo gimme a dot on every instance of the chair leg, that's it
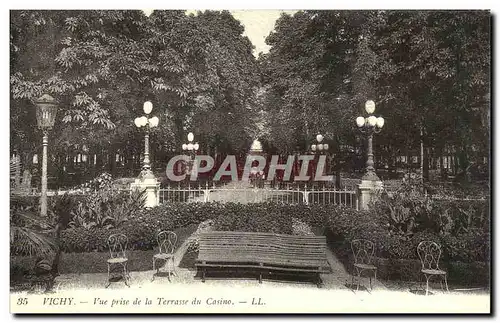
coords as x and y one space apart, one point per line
109 277
172 266
359 278
446 283
427 285
125 274
169 270
154 274
174 272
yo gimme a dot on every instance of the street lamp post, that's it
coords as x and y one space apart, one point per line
147 123
146 180
369 126
318 147
370 185
46 110
191 149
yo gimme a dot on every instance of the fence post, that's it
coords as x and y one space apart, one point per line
366 192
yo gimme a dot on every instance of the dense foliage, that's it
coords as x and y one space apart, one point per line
427 71
198 71
463 230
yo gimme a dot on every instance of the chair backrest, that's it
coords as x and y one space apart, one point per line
117 244
167 241
363 251
429 253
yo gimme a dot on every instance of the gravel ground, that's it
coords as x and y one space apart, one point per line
284 296
276 297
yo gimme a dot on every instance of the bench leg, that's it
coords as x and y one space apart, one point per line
318 281
203 275
260 277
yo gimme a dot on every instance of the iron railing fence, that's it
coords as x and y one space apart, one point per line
288 195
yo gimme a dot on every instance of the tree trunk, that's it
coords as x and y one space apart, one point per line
112 161
422 158
409 161
441 162
455 163
98 160
426 164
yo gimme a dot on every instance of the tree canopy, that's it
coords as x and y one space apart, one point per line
427 71
102 65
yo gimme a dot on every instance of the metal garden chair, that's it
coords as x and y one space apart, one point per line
117 244
167 241
363 251
429 253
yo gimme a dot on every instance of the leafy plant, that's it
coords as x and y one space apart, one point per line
408 210
30 234
106 206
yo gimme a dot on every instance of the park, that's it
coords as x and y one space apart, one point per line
349 154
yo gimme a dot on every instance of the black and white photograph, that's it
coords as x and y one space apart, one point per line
221 161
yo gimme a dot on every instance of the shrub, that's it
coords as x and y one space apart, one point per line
408 210
340 224
253 218
392 242
141 227
141 231
107 207
469 274
470 246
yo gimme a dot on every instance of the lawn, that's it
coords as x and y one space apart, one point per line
189 260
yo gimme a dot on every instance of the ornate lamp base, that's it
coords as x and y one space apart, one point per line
367 191
146 173
146 181
370 175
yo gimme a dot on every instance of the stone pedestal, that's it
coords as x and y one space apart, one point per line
147 182
367 191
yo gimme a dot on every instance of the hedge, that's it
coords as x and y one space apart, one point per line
466 256
462 273
141 229
340 224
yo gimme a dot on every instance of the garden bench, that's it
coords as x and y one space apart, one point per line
263 252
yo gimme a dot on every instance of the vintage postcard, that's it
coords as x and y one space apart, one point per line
250 161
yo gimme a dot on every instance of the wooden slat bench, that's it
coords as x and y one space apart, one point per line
265 252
